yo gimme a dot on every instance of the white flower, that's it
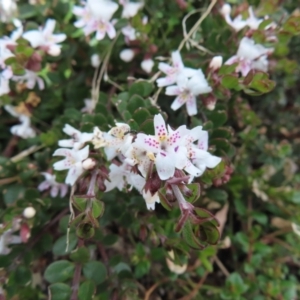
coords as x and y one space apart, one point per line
173 71
117 140
78 138
24 129
8 238
238 23
198 157
45 39
186 91
127 55
121 176
95 60
5 75
31 79
8 9
102 9
95 17
164 144
89 163
55 187
216 63
89 106
72 162
130 9
151 199
147 65
129 33
250 56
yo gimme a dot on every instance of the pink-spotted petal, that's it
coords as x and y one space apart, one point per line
54 191
160 127
62 165
176 59
172 90
147 142
177 103
203 140
192 170
110 30
165 165
191 106
165 68
74 174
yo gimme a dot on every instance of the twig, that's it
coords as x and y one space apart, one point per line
77 275
153 287
197 24
222 267
9 180
10 146
194 292
26 152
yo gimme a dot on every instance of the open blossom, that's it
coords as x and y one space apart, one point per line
31 78
186 91
250 56
238 23
173 71
117 141
89 106
8 238
5 75
55 187
121 176
72 162
164 144
130 9
151 199
24 129
198 158
78 138
95 17
45 39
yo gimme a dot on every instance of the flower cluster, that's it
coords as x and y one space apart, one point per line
183 82
136 156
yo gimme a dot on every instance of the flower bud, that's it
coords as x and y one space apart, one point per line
95 60
88 164
127 55
29 212
226 9
216 63
147 65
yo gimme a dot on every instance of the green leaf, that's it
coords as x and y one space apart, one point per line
80 202
134 103
97 208
221 132
236 284
59 291
163 199
86 290
189 236
217 117
59 247
95 270
230 81
81 255
292 25
195 190
59 271
211 232
227 69
142 88
140 115
147 127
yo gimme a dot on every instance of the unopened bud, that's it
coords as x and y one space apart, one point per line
95 60
210 102
216 63
29 212
127 55
147 65
88 164
225 10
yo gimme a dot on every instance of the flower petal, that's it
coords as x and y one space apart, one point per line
165 166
